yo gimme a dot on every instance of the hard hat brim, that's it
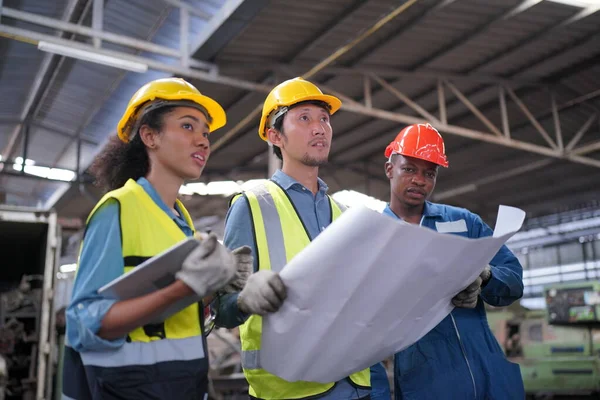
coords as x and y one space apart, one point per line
214 109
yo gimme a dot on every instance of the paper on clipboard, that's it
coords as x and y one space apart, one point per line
367 287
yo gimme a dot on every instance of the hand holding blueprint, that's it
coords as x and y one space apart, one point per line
367 287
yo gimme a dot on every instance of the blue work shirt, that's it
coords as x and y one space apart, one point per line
100 262
315 213
460 358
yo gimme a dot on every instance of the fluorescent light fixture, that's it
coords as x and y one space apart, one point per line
67 268
57 174
92 57
19 160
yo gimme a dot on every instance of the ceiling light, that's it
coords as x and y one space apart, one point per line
92 57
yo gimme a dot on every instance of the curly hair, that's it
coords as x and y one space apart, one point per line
119 161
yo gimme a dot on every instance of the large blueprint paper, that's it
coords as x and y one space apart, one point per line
367 287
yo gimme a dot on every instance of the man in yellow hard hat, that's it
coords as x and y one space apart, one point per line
281 217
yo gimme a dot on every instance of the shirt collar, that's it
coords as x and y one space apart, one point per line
147 186
286 181
430 210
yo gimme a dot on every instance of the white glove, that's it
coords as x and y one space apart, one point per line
244 265
209 267
468 297
264 293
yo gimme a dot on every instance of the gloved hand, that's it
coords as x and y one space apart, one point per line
244 264
468 297
208 267
264 293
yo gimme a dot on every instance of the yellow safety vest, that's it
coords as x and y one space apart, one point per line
146 230
280 235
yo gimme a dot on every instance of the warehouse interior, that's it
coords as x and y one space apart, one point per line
513 86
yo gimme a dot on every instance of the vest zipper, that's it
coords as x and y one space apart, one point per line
464 353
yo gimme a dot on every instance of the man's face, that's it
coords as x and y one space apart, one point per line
307 135
412 180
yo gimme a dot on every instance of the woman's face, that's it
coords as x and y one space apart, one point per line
182 147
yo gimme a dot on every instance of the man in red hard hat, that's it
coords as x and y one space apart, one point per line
459 358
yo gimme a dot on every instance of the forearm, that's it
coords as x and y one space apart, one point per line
504 287
127 315
228 314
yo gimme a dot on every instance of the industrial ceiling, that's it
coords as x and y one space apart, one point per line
512 85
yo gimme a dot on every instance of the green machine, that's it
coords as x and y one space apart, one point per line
558 349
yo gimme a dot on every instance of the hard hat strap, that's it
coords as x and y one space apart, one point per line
275 115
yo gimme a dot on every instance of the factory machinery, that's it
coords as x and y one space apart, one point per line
29 240
558 348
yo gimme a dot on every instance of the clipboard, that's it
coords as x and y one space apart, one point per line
153 274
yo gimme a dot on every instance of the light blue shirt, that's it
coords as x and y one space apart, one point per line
315 213
100 262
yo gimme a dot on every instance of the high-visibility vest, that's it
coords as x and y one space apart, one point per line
279 235
164 360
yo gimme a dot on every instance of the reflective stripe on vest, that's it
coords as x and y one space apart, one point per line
279 234
140 353
146 230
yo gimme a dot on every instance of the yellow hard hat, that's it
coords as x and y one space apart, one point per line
169 89
291 92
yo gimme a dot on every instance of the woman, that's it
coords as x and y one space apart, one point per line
113 351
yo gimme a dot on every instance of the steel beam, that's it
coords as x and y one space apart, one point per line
365 34
523 6
473 109
184 45
555 117
99 101
442 102
35 86
472 134
531 118
93 33
404 98
188 8
503 112
51 129
154 64
474 185
382 72
97 20
367 91
588 148
215 22
581 132
586 12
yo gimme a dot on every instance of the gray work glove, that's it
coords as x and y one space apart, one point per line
468 297
244 266
208 267
264 293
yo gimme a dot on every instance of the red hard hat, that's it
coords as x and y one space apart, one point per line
419 141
